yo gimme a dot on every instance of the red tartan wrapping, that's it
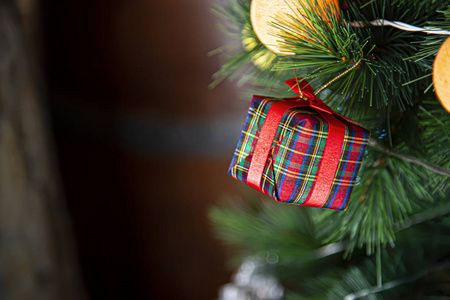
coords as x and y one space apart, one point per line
313 158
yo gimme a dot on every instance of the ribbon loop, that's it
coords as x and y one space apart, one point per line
301 87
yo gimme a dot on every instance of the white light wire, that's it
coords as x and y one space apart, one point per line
402 26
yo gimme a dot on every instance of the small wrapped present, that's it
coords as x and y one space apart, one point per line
298 150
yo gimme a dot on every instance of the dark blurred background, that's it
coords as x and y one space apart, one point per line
140 142
139 138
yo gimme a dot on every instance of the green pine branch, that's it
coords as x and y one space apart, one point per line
431 43
269 229
410 159
386 75
401 196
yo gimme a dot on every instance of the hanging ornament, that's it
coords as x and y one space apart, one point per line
441 74
263 12
286 152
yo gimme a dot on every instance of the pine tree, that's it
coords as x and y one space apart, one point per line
393 241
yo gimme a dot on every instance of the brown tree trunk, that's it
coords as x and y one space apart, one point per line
37 256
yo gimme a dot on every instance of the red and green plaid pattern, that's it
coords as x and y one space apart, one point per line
290 171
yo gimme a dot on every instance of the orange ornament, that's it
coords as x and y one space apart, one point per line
441 74
263 12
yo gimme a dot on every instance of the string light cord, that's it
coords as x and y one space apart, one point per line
402 26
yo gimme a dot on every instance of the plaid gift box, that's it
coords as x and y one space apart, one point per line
298 150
